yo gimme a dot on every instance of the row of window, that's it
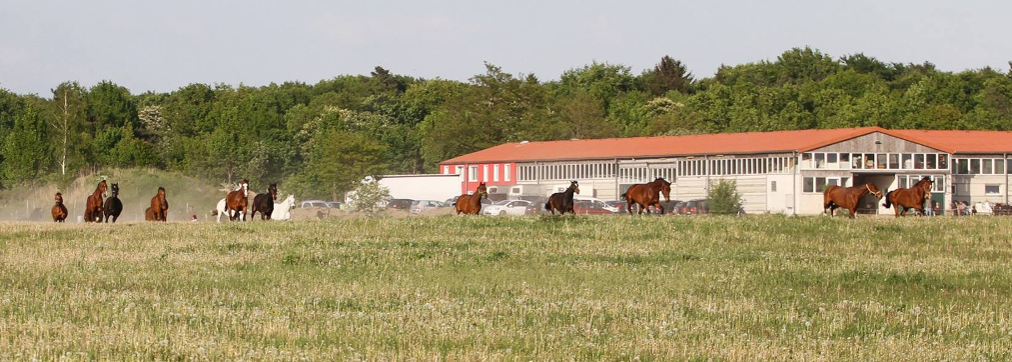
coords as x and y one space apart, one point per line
473 176
817 184
979 166
875 161
669 171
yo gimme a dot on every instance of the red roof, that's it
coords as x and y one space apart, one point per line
986 142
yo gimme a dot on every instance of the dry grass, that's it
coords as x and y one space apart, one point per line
532 288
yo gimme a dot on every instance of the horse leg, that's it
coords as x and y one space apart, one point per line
659 207
629 204
853 211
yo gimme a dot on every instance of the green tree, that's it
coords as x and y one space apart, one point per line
24 148
341 159
367 196
68 126
668 75
724 198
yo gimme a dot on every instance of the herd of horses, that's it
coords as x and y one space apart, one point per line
235 204
648 196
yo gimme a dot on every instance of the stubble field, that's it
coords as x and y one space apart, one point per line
527 288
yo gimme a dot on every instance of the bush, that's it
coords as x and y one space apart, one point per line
724 198
367 196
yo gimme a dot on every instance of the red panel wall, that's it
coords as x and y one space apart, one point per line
466 185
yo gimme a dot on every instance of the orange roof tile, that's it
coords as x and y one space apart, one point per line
731 143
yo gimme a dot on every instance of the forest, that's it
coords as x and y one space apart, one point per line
320 140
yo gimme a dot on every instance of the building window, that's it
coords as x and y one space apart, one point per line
932 161
472 173
869 160
506 172
809 185
908 161
460 170
975 166
999 167
806 160
943 162
992 189
987 169
773 186
484 173
820 160
495 173
446 170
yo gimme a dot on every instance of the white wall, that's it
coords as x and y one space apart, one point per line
422 187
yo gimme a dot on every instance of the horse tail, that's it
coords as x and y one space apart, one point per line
548 205
889 199
624 195
214 212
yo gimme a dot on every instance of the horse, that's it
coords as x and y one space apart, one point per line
471 204
646 195
113 207
563 201
282 211
159 209
846 197
93 208
59 210
912 198
220 209
265 203
236 201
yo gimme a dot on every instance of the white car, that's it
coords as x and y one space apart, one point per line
597 202
506 207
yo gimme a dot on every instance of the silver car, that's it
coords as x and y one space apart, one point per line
418 206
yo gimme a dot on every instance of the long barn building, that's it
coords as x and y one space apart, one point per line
776 172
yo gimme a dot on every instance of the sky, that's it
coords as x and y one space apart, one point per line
162 46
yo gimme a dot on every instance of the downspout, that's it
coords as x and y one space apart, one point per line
1004 159
618 196
706 170
467 177
794 182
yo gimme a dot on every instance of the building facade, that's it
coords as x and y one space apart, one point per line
776 172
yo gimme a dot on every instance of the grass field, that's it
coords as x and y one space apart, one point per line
536 288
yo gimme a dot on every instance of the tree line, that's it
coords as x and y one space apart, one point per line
319 140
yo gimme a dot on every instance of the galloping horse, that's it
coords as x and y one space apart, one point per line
59 210
236 201
912 198
646 195
93 209
283 211
471 204
159 209
113 207
264 203
563 201
846 197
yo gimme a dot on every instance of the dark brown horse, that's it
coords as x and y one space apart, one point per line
159 209
93 208
834 197
59 210
912 198
471 204
113 206
264 203
237 201
563 201
648 194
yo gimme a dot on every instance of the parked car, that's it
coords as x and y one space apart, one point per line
600 203
314 203
453 200
670 207
421 205
620 206
400 204
679 208
536 206
696 207
507 207
335 205
590 207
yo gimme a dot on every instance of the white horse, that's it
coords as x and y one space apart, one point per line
282 211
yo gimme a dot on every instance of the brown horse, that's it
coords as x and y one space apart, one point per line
834 197
59 210
93 209
238 201
648 194
159 209
471 204
912 198
563 201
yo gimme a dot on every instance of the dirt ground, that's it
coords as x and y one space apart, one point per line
321 213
